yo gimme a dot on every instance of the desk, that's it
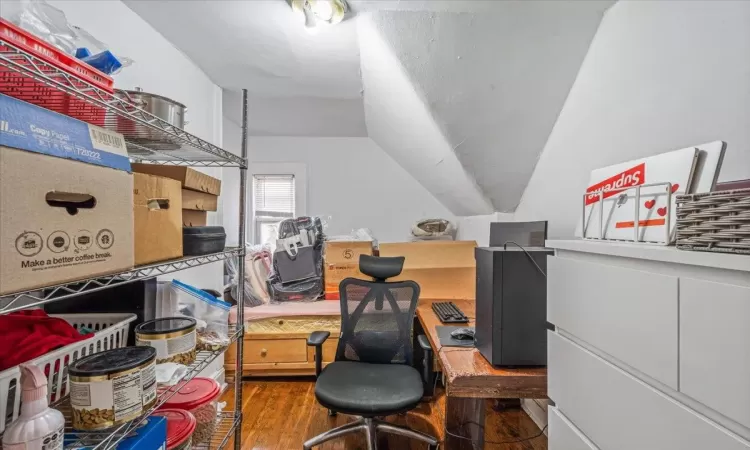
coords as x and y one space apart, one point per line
470 379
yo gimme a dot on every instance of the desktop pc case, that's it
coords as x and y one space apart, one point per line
511 306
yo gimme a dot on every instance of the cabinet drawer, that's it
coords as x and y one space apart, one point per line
715 346
629 314
618 412
271 351
563 435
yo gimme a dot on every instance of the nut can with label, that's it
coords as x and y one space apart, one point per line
173 338
112 387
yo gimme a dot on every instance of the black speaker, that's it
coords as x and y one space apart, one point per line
511 305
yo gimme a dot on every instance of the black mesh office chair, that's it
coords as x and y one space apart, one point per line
372 375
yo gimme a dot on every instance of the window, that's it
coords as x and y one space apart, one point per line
273 201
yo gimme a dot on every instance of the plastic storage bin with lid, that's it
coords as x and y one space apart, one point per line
199 396
180 428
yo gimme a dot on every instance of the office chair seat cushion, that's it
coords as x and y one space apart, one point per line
365 389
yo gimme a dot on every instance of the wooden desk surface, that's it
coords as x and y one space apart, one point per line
468 374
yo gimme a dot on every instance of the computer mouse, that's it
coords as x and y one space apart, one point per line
463 334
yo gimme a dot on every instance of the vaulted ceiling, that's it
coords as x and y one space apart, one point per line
463 94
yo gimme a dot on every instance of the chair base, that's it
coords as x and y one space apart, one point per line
370 426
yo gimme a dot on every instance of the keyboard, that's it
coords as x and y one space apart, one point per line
447 312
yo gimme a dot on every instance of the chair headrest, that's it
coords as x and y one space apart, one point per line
380 267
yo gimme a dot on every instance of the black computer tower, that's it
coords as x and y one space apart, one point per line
511 305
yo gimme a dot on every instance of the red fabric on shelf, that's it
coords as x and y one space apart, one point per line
26 335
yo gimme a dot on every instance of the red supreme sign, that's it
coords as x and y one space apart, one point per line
631 177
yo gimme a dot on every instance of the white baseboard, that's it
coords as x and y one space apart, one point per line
537 410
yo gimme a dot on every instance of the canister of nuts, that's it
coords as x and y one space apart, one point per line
112 387
172 337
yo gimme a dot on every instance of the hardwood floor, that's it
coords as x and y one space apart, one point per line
280 414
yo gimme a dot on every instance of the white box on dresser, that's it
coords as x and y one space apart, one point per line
651 348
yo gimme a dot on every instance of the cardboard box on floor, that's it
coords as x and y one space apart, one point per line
342 261
190 178
444 270
157 213
199 201
65 208
193 218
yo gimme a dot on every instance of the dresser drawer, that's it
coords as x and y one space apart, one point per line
715 346
618 412
275 350
629 314
563 435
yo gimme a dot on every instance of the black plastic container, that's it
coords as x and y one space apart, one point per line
198 241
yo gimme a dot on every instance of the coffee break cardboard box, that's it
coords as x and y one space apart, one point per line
157 211
192 218
61 219
190 178
444 270
199 201
342 261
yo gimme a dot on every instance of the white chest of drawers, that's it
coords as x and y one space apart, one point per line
650 350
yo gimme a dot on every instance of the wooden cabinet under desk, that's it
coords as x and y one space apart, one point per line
650 347
277 346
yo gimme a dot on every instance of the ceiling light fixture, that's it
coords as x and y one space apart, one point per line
317 12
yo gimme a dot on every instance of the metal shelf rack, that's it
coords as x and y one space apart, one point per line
149 138
152 140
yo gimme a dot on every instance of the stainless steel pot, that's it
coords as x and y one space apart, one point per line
162 107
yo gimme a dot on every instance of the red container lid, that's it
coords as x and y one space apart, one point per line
195 393
180 426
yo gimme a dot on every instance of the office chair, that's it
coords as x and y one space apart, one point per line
372 375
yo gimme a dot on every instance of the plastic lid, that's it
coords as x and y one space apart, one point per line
165 325
196 392
180 425
112 361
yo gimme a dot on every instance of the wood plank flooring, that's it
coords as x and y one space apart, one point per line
280 414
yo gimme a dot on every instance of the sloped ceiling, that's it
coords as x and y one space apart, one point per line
494 81
463 94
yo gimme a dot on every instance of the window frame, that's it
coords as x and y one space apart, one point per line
298 170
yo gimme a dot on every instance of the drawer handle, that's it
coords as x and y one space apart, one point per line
263 352
281 322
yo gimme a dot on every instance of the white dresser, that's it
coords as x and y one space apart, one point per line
651 348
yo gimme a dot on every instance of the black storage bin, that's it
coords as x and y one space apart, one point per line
197 241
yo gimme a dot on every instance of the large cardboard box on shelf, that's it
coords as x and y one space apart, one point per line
65 208
199 201
193 218
342 261
157 213
190 178
444 270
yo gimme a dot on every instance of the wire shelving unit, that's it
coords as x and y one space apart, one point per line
152 140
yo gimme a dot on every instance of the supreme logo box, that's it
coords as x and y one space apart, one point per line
61 219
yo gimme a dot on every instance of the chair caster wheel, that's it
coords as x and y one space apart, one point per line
332 413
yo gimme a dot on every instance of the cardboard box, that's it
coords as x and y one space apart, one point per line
342 261
199 201
193 218
61 219
444 270
157 213
190 178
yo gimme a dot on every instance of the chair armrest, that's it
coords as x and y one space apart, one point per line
316 339
424 343
428 374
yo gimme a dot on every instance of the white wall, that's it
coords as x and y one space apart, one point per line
660 75
352 180
159 68
477 228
